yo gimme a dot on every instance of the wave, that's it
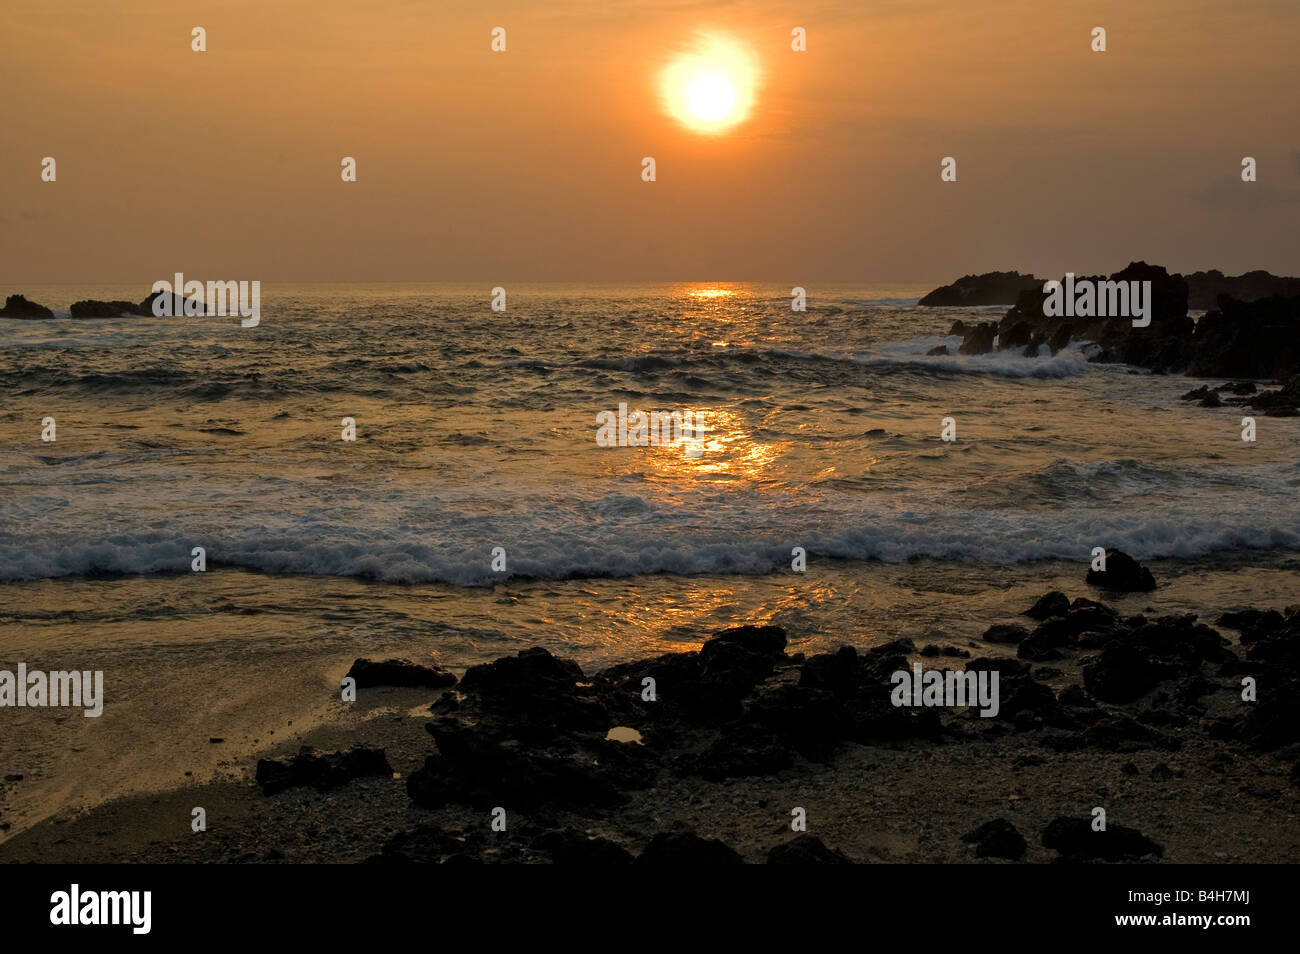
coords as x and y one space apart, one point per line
625 535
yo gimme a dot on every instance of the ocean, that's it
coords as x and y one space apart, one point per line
476 430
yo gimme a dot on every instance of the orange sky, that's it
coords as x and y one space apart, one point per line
525 166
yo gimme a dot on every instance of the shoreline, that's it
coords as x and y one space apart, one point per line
1165 764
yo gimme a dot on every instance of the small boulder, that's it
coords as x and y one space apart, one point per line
1122 573
1075 840
399 672
805 850
997 839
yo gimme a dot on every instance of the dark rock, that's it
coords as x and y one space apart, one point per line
1075 839
840 671
16 306
1120 674
1017 336
399 672
428 845
979 340
991 288
938 351
1075 696
570 847
1204 288
176 305
104 309
1286 399
1122 573
1018 691
811 721
1113 733
997 839
1253 624
805 850
1247 340
1054 603
321 771
745 750
687 849
1012 634
486 775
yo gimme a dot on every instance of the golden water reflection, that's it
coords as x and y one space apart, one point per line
725 447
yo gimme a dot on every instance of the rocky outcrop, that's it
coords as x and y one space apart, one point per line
1205 288
105 309
16 306
1257 338
991 288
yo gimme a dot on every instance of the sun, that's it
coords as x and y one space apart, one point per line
710 87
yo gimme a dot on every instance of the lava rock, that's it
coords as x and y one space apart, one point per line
1075 840
1011 634
1120 674
321 771
1122 573
399 672
805 850
687 849
1054 603
997 839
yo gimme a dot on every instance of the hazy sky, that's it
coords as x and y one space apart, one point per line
525 165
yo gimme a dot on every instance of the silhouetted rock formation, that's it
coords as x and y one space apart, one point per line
991 288
1256 339
105 309
16 306
1205 288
